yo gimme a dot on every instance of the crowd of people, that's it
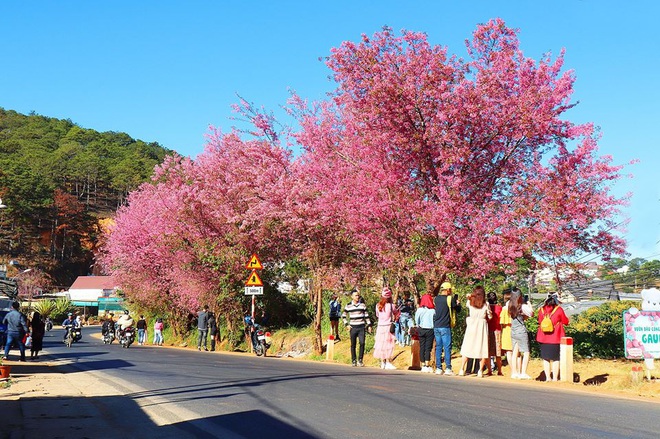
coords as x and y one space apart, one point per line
493 330
23 332
110 325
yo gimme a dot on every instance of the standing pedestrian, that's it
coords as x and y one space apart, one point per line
38 329
16 329
550 338
447 307
142 330
505 324
213 329
406 311
475 341
519 312
158 332
424 321
386 315
335 313
356 318
494 334
202 327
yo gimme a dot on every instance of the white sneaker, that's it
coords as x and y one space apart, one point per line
524 376
515 376
427 369
448 372
390 366
382 365
438 371
461 373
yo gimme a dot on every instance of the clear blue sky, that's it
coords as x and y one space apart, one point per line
165 70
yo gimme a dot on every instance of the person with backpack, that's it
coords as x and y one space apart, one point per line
447 307
552 319
335 314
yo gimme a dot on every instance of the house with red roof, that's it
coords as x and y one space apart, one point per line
96 291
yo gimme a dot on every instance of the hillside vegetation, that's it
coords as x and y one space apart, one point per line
57 179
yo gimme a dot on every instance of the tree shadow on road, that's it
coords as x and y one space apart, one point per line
121 416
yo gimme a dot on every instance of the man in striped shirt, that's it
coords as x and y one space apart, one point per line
356 318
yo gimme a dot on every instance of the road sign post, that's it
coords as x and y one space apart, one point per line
254 291
254 286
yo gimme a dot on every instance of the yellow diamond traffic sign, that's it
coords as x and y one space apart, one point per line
254 280
254 263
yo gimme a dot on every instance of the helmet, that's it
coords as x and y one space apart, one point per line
70 314
126 311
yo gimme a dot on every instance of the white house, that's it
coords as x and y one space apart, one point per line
95 291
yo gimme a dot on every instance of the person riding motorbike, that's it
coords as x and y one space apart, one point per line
108 326
69 323
124 322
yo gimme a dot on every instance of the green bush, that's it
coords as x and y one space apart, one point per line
598 331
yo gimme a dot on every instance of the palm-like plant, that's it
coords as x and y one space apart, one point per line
46 308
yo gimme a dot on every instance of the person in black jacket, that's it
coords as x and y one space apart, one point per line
202 327
447 307
213 330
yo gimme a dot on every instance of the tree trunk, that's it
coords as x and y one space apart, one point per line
317 298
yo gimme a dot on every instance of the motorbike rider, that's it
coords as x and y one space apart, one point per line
69 323
108 326
124 322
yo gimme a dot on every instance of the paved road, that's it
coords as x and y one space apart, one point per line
184 393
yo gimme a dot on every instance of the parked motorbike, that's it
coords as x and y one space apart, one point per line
260 339
126 336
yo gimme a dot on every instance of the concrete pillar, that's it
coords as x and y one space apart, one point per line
636 374
330 348
566 359
415 363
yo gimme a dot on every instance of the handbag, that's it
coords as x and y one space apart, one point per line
28 342
392 325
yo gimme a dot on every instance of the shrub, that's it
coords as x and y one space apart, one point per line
598 331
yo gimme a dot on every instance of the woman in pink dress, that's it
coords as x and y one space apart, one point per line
386 313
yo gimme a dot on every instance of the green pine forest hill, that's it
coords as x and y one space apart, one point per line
59 181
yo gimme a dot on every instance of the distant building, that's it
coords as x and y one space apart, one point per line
96 291
545 276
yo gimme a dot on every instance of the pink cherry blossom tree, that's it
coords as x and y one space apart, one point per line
440 164
182 240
